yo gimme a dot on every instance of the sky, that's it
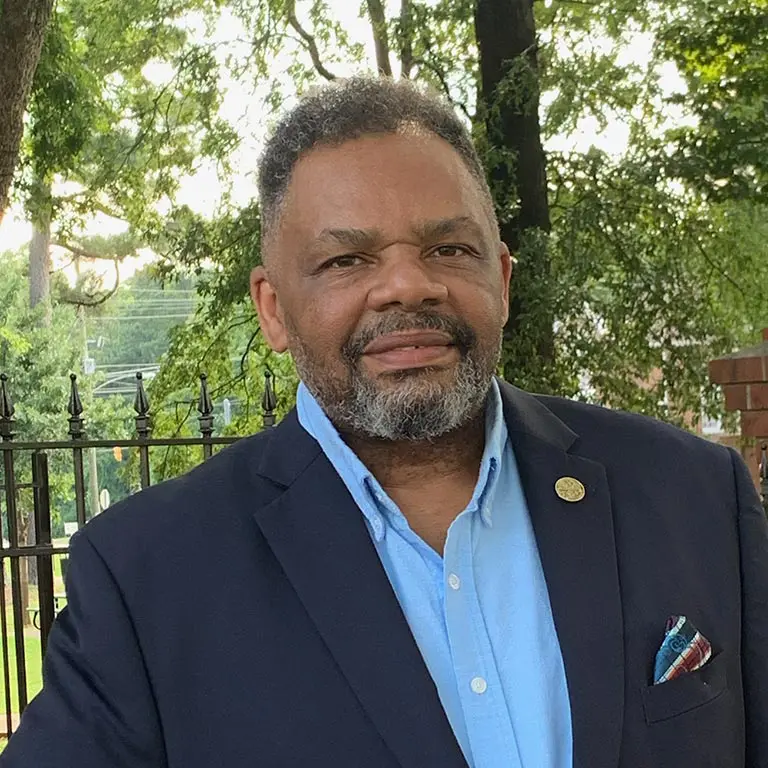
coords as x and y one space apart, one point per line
201 192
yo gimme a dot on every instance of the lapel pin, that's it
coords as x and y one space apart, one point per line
570 489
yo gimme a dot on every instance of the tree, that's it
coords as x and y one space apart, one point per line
721 49
618 295
22 30
115 121
509 109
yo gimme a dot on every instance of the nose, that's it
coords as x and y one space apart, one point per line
404 280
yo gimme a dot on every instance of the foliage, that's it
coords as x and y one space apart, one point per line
132 330
124 105
721 49
656 260
38 359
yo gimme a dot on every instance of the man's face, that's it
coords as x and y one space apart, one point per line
388 284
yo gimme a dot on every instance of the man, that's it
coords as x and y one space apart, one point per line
422 565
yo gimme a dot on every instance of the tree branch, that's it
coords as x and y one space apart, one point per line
309 41
83 253
91 301
380 38
440 75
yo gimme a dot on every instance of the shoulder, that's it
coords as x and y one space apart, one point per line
192 505
618 436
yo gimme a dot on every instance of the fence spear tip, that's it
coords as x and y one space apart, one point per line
75 407
204 403
7 408
141 402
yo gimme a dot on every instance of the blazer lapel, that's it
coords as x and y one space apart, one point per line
319 536
578 553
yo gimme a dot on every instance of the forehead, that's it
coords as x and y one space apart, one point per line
389 182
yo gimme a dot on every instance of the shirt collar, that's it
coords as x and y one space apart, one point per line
366 490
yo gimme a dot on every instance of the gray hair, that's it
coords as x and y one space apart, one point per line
348 109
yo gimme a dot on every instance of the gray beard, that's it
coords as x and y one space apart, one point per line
410 406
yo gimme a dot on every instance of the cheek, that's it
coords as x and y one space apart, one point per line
481 305
323 323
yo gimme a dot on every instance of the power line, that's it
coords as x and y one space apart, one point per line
140 317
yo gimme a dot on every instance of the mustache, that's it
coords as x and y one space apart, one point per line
461 334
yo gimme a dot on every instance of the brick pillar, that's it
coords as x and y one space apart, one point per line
744 378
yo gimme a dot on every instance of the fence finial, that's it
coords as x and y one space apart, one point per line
205 408
75 409
141 406
269 400
6 410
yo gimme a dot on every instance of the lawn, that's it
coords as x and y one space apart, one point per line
34 671
32 650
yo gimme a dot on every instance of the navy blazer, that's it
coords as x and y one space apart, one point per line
239 615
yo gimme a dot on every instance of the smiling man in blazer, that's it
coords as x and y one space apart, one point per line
422 566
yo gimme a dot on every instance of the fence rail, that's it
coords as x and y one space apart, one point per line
30 548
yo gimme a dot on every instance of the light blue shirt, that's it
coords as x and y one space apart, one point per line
480 615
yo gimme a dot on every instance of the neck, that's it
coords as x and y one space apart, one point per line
418 464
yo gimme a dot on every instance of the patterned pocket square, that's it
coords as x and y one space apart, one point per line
684 650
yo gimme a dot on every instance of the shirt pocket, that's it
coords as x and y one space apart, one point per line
689 691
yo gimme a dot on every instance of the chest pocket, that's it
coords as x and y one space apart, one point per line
687 692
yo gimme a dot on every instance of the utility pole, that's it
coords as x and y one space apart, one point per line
94 471
88 370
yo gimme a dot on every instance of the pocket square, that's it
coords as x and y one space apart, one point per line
684 650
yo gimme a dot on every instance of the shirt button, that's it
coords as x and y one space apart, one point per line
478 685
454 582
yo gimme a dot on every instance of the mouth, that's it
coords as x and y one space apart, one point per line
410 349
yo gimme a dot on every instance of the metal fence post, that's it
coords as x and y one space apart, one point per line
269 400
143 428
43 539
6 432
77 433
205 408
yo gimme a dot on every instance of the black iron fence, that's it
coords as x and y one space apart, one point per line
25 617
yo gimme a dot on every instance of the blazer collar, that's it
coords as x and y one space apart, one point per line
290 449
319 537
526 415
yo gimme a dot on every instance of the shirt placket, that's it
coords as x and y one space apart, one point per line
482 698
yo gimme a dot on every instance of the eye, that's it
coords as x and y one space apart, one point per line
452 251
342 262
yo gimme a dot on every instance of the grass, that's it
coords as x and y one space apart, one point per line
34 671
31 649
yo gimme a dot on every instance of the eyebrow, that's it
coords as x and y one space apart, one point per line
426 231
350 237
439 228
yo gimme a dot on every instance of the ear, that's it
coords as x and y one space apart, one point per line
507 262
270 312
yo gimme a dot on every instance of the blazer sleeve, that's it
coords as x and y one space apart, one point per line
753 538
96 708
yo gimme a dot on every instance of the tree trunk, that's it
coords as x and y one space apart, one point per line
509 106
380 37
22 31
39 294
40 268
406 38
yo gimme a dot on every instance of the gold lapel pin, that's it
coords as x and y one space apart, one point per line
570 489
